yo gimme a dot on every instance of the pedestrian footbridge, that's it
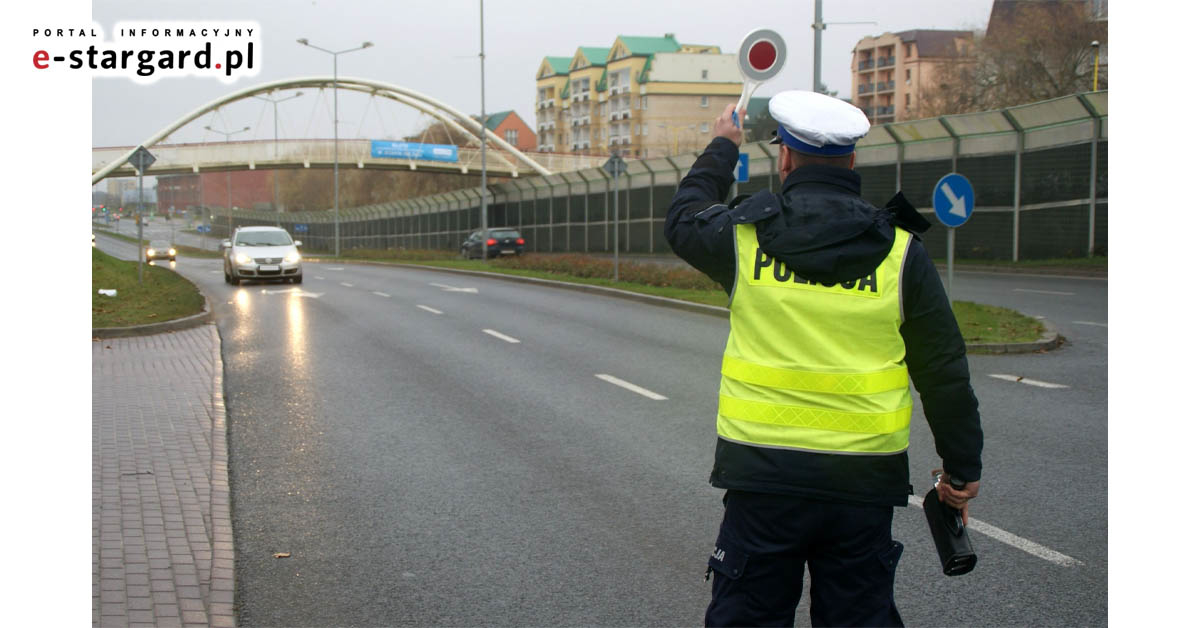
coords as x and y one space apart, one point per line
503 159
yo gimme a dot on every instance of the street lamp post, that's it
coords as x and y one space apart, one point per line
228 178
275 146
337 243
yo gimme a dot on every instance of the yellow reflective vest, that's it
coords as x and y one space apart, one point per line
815 367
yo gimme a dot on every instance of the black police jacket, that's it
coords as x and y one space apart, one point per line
822 229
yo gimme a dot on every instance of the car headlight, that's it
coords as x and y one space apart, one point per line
171 252
292 257
149 252
242 258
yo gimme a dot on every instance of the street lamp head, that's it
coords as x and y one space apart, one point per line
367 44
303 41
1095 44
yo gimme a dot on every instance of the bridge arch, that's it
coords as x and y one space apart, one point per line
412 98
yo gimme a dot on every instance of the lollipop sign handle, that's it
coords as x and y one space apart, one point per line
747 91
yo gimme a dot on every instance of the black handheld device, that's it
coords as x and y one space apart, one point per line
949 534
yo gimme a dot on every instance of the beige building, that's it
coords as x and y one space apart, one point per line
640 97
890 71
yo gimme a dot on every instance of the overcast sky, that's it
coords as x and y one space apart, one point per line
433 47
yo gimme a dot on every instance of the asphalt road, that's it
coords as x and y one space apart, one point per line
420 468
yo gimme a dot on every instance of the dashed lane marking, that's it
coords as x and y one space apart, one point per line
1090 323
429 309
616 381
501 336
1024 380
1008 538
382 294
1064 294
348 285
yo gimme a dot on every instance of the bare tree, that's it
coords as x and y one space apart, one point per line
1035 51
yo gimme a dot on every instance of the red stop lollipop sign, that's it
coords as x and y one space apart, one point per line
760 58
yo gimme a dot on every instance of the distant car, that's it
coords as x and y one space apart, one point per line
93 239
501 241
160 249
262 253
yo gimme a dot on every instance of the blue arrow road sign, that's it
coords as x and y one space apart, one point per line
743 168
953 200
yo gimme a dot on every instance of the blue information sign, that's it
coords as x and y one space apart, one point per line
953 200
743 167
300 228
413 150
203 229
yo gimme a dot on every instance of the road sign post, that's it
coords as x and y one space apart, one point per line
140 160
953 202
615 166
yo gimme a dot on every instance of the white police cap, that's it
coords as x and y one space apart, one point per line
817 124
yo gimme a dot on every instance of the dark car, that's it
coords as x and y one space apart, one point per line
160 249
503 241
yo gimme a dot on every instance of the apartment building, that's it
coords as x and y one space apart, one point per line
510 126
890 71
553 75
640 97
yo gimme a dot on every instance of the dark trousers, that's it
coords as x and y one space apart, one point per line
766 540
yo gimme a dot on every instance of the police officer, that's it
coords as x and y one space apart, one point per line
834 306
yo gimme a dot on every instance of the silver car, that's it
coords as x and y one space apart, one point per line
266 253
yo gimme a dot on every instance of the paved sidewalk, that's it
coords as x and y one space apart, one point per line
162 540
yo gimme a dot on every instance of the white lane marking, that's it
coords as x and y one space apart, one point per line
216 271
501 336
632 387
429 309
348 285
1021 379
454 289
337 268
320 277
1090 323
1008 538
383 294
1065 294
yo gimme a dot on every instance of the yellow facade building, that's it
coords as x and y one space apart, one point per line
639 97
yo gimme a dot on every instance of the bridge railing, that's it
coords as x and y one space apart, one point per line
173 158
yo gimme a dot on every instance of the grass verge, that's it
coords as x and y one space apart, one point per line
982 324
991 324
162 295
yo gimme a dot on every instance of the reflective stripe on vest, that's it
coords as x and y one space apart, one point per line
811 366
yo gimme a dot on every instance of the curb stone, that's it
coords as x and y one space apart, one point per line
1050 339
178 324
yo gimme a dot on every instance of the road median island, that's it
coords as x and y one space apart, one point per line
985 328
163 301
